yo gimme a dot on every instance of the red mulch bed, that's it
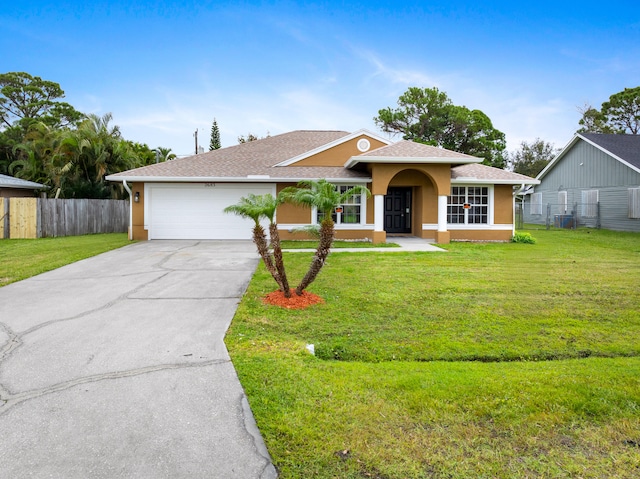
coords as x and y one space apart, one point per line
294 302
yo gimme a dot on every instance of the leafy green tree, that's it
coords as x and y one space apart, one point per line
248 138
257 207
88 154
214 144
427 115
25 98
531 158
164 154
620 114
32 158
143 154
325 197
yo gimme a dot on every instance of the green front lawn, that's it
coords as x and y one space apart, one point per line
491 360
23 258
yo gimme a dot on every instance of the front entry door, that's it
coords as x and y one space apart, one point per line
397 210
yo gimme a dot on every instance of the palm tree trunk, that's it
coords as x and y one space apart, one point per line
260 239
279 261
324 246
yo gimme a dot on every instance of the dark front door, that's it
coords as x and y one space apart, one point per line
397 210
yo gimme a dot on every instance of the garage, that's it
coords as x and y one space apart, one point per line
195 210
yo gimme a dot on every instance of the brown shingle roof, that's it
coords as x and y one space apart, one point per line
259 159
489 173
253 158
411 149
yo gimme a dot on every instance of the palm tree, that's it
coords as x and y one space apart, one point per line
325 197
257 207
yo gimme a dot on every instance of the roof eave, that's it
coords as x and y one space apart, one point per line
223 179
24 187
486 181
354 160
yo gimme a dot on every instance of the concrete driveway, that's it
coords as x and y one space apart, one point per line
115 367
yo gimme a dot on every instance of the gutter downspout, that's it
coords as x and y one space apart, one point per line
126 187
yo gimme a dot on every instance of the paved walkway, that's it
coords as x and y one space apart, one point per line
115 367
406 243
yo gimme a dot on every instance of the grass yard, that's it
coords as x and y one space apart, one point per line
489 361
23 258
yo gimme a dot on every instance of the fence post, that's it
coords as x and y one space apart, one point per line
548 223
598 214
6 225
574 216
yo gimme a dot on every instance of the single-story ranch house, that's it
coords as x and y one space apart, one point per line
11 187
418 190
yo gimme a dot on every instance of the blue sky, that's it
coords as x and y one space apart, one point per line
165 69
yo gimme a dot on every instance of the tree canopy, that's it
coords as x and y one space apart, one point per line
25 98
531 158
48 141
620 114
427 115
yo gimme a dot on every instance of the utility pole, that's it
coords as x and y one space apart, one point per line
196 137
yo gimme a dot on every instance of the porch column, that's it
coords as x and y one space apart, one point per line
379 234
442 235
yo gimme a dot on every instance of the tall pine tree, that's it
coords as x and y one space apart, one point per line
214 144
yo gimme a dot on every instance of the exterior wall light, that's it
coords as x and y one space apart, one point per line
136 197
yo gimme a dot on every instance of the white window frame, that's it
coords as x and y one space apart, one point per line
634 203
536 204
338 216
562 202
589 205
467 212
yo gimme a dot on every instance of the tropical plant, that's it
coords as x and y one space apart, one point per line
89 153
257 207
31 159
164 154
325 197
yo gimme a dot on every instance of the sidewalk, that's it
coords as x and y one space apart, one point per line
406 243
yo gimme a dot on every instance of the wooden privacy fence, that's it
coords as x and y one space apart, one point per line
43 217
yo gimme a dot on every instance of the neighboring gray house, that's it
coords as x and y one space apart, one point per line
11 187
594 181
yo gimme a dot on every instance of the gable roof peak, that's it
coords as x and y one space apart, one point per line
622 147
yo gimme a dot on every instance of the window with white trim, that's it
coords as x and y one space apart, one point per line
468 205
349 212
634 202
536 204
589 203
562 202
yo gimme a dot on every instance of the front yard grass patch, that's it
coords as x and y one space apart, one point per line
491 360
23 258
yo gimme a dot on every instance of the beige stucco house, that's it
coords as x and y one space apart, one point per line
417 190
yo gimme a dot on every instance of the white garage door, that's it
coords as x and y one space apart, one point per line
195 211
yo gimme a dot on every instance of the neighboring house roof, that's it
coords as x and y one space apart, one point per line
268 160
12 182
624 148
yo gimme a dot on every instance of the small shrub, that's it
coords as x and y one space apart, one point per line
523 238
